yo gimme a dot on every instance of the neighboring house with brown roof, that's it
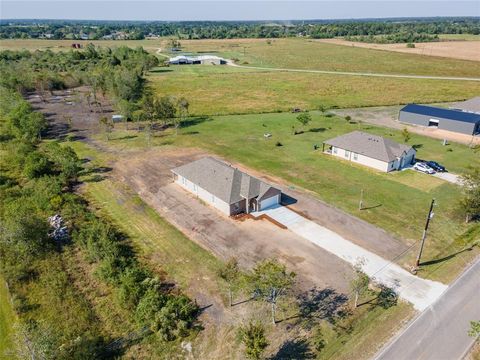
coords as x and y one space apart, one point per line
225 187
371 150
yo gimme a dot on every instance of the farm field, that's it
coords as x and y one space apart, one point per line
216 90
315 55
394 200
287 53
458 49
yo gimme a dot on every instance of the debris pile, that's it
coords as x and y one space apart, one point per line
60 231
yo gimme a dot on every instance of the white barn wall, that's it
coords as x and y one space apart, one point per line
203 194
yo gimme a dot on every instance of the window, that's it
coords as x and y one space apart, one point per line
335 150
194 187
213 198
355 156
347 154
183 180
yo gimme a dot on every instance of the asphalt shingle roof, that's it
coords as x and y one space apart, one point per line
222 180
456 115
372 146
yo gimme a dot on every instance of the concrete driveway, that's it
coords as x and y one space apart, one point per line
454 179
420 292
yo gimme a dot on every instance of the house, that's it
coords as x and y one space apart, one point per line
371 150
197 60
471 105
445 119
226 188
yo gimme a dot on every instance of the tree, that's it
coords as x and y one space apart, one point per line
474 329
348 118
107 126
304 118
230 273
470 203
183 106
165 108
359 283
271 281
253 337
36 165
406 135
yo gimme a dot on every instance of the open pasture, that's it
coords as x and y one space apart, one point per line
317 55
230 90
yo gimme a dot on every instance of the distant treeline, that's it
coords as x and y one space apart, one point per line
96 30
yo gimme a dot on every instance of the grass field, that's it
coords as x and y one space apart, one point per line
312 54
228 90
397 201
7 319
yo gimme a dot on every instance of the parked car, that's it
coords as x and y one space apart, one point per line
423 167
436 166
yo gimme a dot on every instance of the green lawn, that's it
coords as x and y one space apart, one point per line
398 201
7 318
227 90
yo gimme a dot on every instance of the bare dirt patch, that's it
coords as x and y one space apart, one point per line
248 240
465 50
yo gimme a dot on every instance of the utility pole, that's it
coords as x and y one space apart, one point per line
360 205
429 217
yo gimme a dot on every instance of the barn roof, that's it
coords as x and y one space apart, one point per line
222 180
372 146
442 113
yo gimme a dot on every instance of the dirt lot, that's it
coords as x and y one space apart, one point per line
250 240
386 116
465 50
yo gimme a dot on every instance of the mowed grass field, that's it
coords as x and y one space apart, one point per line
315 55
228 90
397 201
7 318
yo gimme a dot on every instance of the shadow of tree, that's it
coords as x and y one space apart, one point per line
317 130
194 121
294 349
325 304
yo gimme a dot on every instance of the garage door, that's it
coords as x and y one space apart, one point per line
269 202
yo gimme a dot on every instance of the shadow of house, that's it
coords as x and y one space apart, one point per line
297 349
287 200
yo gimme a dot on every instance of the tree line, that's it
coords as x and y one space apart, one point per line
235 29
38 179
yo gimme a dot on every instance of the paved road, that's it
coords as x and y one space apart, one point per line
420 292
440 332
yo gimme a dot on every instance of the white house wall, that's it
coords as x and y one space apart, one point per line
204 195
361 159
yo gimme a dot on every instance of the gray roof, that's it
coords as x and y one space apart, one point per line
372 146
472 105
222 180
